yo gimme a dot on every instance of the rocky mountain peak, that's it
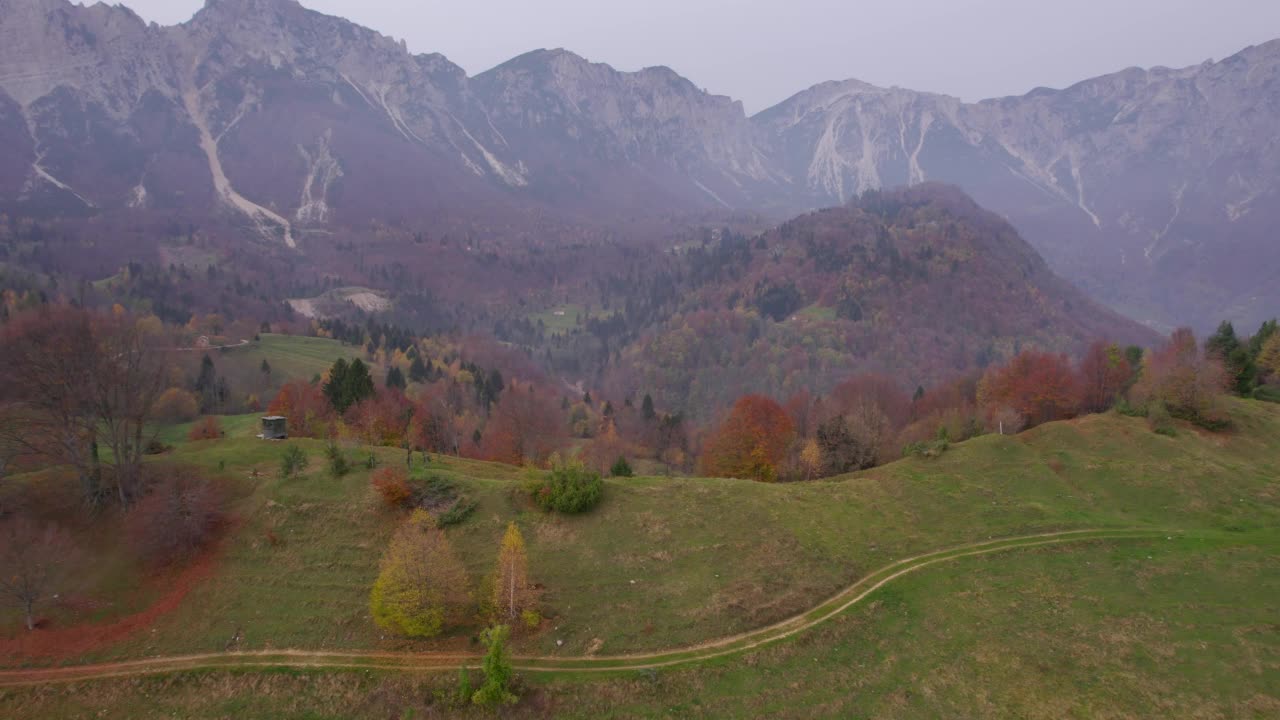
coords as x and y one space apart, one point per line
1131 183
249 5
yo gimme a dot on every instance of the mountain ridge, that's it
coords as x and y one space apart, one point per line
1137 185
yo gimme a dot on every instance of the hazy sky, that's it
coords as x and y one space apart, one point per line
762 51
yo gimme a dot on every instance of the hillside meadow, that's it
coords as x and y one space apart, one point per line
1104 628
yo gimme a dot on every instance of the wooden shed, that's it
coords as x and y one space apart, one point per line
275 427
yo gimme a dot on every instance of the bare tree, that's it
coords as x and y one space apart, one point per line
34 563
48 358
74 379
123 392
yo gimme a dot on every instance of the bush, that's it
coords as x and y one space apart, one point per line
464 686
1124 407
178 517
207 429
339 466
435 494
497 670
531 619
393 487
1159 420
621 468
293 463
930 449
455 515
1267 393
568 488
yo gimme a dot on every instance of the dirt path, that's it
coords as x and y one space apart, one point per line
304 659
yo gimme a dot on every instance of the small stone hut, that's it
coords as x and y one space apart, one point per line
275 427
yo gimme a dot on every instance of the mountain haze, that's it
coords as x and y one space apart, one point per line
1155 190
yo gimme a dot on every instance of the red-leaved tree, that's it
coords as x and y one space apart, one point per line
384 419
525 426
1039 387
308 411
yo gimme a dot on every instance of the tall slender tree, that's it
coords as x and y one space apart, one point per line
512 592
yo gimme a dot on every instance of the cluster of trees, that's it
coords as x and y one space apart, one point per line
1252 363
79 392
423 589
869 419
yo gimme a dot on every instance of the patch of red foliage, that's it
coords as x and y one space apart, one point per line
74 641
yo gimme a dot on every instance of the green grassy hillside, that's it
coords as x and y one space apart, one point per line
291 356
667 562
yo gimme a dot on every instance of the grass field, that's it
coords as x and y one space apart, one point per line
1130 630
293 357
564 318
684 560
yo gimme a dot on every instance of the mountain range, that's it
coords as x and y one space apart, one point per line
1153 190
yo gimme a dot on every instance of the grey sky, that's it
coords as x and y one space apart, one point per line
762 51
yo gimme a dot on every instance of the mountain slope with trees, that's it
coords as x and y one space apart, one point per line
920 285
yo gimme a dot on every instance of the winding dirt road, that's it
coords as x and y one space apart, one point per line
425 662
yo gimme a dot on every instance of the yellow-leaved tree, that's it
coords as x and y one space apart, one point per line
1269 359
512 592
811 459
422 585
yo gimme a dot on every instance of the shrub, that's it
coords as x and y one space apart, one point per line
1159 419
930 449
464 684
208 428
293 463
393 487
531 619
1124 407
455 515
497 670
178 517
1267 393
621 468
569 488
339 466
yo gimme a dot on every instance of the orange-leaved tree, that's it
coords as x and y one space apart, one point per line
1039 387
750 442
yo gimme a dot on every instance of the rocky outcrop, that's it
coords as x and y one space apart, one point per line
1154 189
